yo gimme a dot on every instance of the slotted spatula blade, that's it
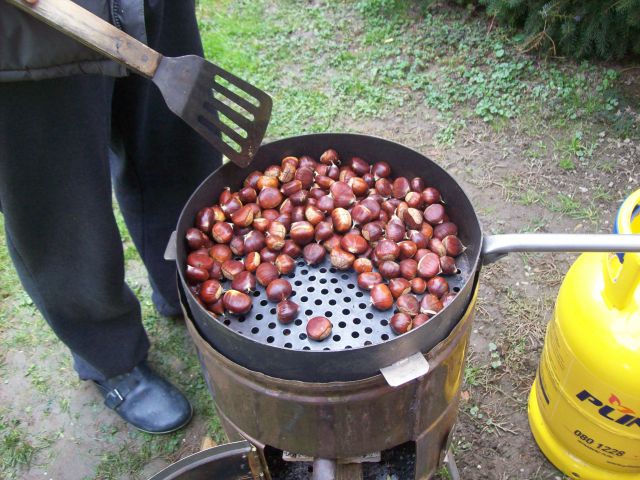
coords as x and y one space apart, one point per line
211 100
227 111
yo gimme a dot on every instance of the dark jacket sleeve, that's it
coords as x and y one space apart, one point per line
32 50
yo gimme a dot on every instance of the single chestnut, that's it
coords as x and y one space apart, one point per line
431 195
274 242
400 323
358 186
418 238
291 187
243 217
430 304
220 253
341 219
254 241
302 232
420 319
361 214
287 172
400 187
359 165
313 215
448 265
200 260
414 200
381 170
266 181
332 242
408 304
330 157
236 245
452 245
324 181
244 282
383 187
429 265
222 232
313 253
215 271
236 302
217 308
196 274
210 291
326 203
319 328
412 218
305 175
332 172
278 290
252 261
285 264
417 184
231 268
408 268
387 250
266 273
407 249
297 214
248 195
381 296
270 197
233 205
291 249
362 265
195 238
354 243
205 219
438 286
287 311
341 259
372 231
418 285
399 286
268 255
434 214
389 269
395 230
367 280
343 196
299 199
324 230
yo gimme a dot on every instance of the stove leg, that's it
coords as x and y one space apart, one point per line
324 469
452 468
349 471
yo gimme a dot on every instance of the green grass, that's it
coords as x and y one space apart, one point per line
16 450
321 73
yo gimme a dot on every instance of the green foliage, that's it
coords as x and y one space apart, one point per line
592 28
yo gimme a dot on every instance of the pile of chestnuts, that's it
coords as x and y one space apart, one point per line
395 233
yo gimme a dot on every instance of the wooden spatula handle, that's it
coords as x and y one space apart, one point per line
89 29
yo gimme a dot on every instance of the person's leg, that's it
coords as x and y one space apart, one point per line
55 193
160 160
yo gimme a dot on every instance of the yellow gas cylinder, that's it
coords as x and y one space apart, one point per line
584 406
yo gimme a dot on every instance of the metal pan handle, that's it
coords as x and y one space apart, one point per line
495 247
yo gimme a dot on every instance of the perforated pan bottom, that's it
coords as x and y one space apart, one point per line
326 291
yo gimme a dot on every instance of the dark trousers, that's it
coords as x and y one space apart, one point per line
56 177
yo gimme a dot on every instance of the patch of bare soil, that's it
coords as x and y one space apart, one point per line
516 297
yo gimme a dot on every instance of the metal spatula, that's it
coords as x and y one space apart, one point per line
193 88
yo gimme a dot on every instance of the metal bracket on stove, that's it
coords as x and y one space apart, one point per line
171 252
405 370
